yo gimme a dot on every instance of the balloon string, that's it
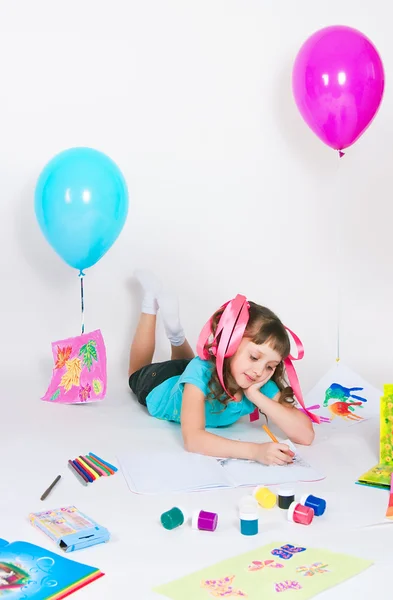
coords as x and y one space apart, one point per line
338 258
81 276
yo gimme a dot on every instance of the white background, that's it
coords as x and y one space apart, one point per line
230 192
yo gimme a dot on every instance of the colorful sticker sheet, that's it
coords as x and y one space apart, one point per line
275 570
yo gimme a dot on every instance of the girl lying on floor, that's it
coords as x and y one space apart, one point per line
239 370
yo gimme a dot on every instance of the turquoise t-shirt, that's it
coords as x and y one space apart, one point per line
164 402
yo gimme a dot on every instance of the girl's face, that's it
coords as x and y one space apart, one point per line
253 363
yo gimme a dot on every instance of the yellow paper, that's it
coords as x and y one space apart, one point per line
380 475
263 572
386 426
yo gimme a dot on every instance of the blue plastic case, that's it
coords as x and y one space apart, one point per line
69 528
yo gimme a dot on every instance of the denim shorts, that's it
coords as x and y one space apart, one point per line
143 381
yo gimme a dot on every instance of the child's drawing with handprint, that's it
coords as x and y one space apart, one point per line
344 394
344 405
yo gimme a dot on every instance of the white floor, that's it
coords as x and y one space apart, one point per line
37 439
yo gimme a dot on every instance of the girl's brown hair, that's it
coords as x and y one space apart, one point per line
263 327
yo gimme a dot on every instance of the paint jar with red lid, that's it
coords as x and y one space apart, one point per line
297 513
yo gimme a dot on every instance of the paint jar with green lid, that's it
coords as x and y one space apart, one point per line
175 517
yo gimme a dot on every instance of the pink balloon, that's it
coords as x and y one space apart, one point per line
338 83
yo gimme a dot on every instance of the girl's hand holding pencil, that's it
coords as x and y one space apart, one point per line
272 453
283 448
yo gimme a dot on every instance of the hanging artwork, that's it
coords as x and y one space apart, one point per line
344 397
79 374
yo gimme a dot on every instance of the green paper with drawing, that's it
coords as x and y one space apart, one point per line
386 427
266 572
380 475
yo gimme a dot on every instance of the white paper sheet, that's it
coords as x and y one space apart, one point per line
344 391
180 471
171 471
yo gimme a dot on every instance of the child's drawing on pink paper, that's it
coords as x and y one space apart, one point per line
79 374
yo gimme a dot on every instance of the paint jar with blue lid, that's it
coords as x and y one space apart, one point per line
317 504
248 523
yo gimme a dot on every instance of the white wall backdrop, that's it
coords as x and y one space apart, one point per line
229 190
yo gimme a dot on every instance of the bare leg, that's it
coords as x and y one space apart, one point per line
182 351
143 344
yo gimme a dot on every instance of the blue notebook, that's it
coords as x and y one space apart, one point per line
29 571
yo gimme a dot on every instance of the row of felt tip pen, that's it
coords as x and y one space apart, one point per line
90 467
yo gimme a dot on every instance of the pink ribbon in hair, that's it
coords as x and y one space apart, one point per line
231 326
293 378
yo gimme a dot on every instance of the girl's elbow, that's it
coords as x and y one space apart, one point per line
307 437
187 444
190 442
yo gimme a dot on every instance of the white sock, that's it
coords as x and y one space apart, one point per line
169 308
151 286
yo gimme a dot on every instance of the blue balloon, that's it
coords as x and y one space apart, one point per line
81 204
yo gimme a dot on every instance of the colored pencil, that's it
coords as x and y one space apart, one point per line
80 471
83 472
50 488
93 460
100 464
274 439
76 473
93 467
270 434
104 462
87 468
110 471
101 472
389 512
82 468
